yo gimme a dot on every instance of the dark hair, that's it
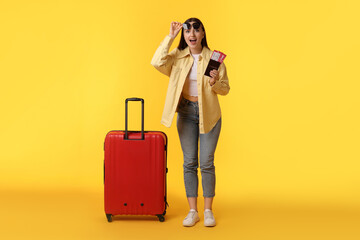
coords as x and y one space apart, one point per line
183 44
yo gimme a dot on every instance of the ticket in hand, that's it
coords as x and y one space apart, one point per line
216 59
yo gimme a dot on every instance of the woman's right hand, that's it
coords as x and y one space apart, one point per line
175 29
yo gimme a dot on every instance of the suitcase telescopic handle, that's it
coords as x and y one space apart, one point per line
142 117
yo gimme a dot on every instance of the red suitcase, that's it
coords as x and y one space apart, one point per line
135 171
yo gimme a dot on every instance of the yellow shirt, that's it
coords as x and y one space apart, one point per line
177 65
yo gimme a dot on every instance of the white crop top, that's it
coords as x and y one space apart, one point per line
190 85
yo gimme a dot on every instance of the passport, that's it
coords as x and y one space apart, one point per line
216 59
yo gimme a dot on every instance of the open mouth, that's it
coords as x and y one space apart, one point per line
193 41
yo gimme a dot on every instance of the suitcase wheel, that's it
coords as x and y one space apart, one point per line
161 217
109 217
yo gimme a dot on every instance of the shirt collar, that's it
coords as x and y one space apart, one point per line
204 53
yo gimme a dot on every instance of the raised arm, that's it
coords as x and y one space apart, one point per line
162 59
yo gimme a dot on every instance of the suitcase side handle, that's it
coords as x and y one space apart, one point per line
142 116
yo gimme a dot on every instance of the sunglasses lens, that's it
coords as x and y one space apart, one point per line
196 25
186 26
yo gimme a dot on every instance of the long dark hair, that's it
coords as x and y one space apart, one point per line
183 44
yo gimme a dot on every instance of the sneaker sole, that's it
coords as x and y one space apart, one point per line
197 220
210 225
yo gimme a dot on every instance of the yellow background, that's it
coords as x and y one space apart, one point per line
287 161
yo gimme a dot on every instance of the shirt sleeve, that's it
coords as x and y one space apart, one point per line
162 59
221 86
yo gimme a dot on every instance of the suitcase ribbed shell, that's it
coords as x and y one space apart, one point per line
135 173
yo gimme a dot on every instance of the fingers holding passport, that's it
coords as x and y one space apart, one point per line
214 74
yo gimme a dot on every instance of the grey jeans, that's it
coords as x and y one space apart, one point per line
188 129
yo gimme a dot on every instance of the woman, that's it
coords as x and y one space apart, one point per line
194 96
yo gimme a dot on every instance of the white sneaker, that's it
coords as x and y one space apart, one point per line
191 218
209 220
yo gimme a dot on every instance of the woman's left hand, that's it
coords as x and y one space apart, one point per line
214 76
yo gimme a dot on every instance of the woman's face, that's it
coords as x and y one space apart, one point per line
193 37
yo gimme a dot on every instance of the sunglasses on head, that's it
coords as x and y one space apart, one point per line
187 26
